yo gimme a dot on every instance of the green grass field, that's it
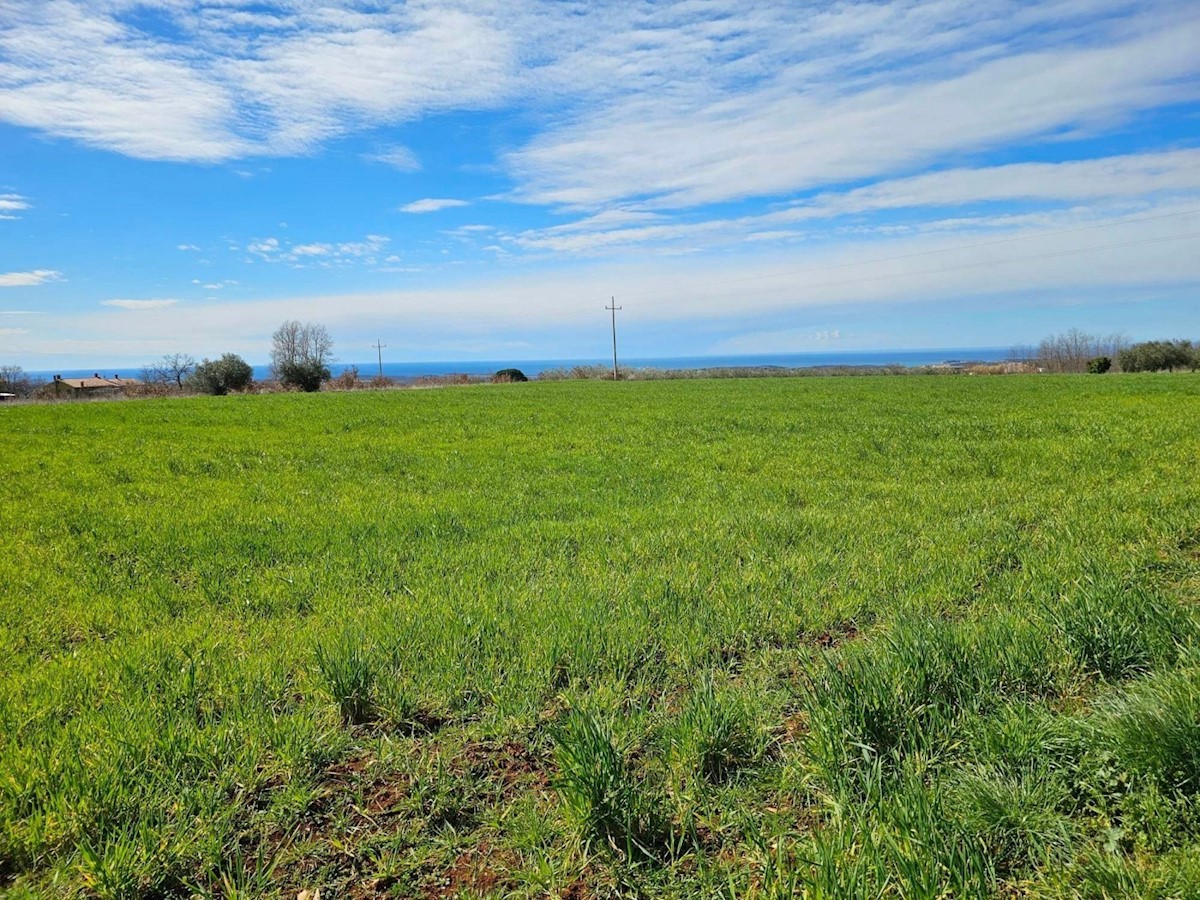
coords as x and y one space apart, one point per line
875 637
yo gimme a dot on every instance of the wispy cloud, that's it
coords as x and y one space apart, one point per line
431 204
12 203
400 158
139 304
29 279
669 105
188 248
322 253
1143 179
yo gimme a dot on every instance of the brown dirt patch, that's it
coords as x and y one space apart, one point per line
474 872
577 890
836 635
511 764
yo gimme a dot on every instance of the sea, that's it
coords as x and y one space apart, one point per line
400 370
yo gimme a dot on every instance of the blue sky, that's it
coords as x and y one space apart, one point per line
474 179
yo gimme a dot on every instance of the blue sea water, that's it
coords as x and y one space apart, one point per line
406 370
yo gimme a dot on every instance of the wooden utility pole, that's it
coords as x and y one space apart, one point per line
379 350
613 308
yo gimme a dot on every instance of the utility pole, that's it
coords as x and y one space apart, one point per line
613 308
379 349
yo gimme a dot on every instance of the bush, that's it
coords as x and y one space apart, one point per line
306 375
1098 365
349 380
220 376
508 376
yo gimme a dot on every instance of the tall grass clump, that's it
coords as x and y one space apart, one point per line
611 808
1117 630
715 734
912 691
1153 730
907 844
349 673
1018 816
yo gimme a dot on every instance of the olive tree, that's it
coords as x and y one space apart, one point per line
220 376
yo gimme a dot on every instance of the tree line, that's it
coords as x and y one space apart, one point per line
300 356
1076 350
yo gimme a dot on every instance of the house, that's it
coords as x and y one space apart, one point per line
96 386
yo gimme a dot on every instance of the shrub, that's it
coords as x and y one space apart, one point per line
507 376
306 375
348 380
220 376
1098 365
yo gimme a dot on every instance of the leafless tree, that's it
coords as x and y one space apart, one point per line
300 344
13 380
1069 351
173 368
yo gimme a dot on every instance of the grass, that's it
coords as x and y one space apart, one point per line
746 639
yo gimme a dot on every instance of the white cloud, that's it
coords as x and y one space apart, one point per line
29 279
780 136
431 204
664 105
223 83
139 304
1116 181
12 332
10 203
400 158
188 247
341 253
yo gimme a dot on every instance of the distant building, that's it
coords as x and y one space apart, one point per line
96 386
5 396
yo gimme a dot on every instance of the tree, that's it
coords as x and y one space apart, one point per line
13 380
220 376
1098 365
172 368
1154 356
301 354
1072 350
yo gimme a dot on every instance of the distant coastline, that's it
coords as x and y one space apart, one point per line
410 370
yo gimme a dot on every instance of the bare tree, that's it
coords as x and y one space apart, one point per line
295 343
13 380
301 354
173 368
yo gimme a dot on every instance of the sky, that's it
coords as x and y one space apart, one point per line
476 179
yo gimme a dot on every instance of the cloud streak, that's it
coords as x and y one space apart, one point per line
139 304
29 279
431 204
